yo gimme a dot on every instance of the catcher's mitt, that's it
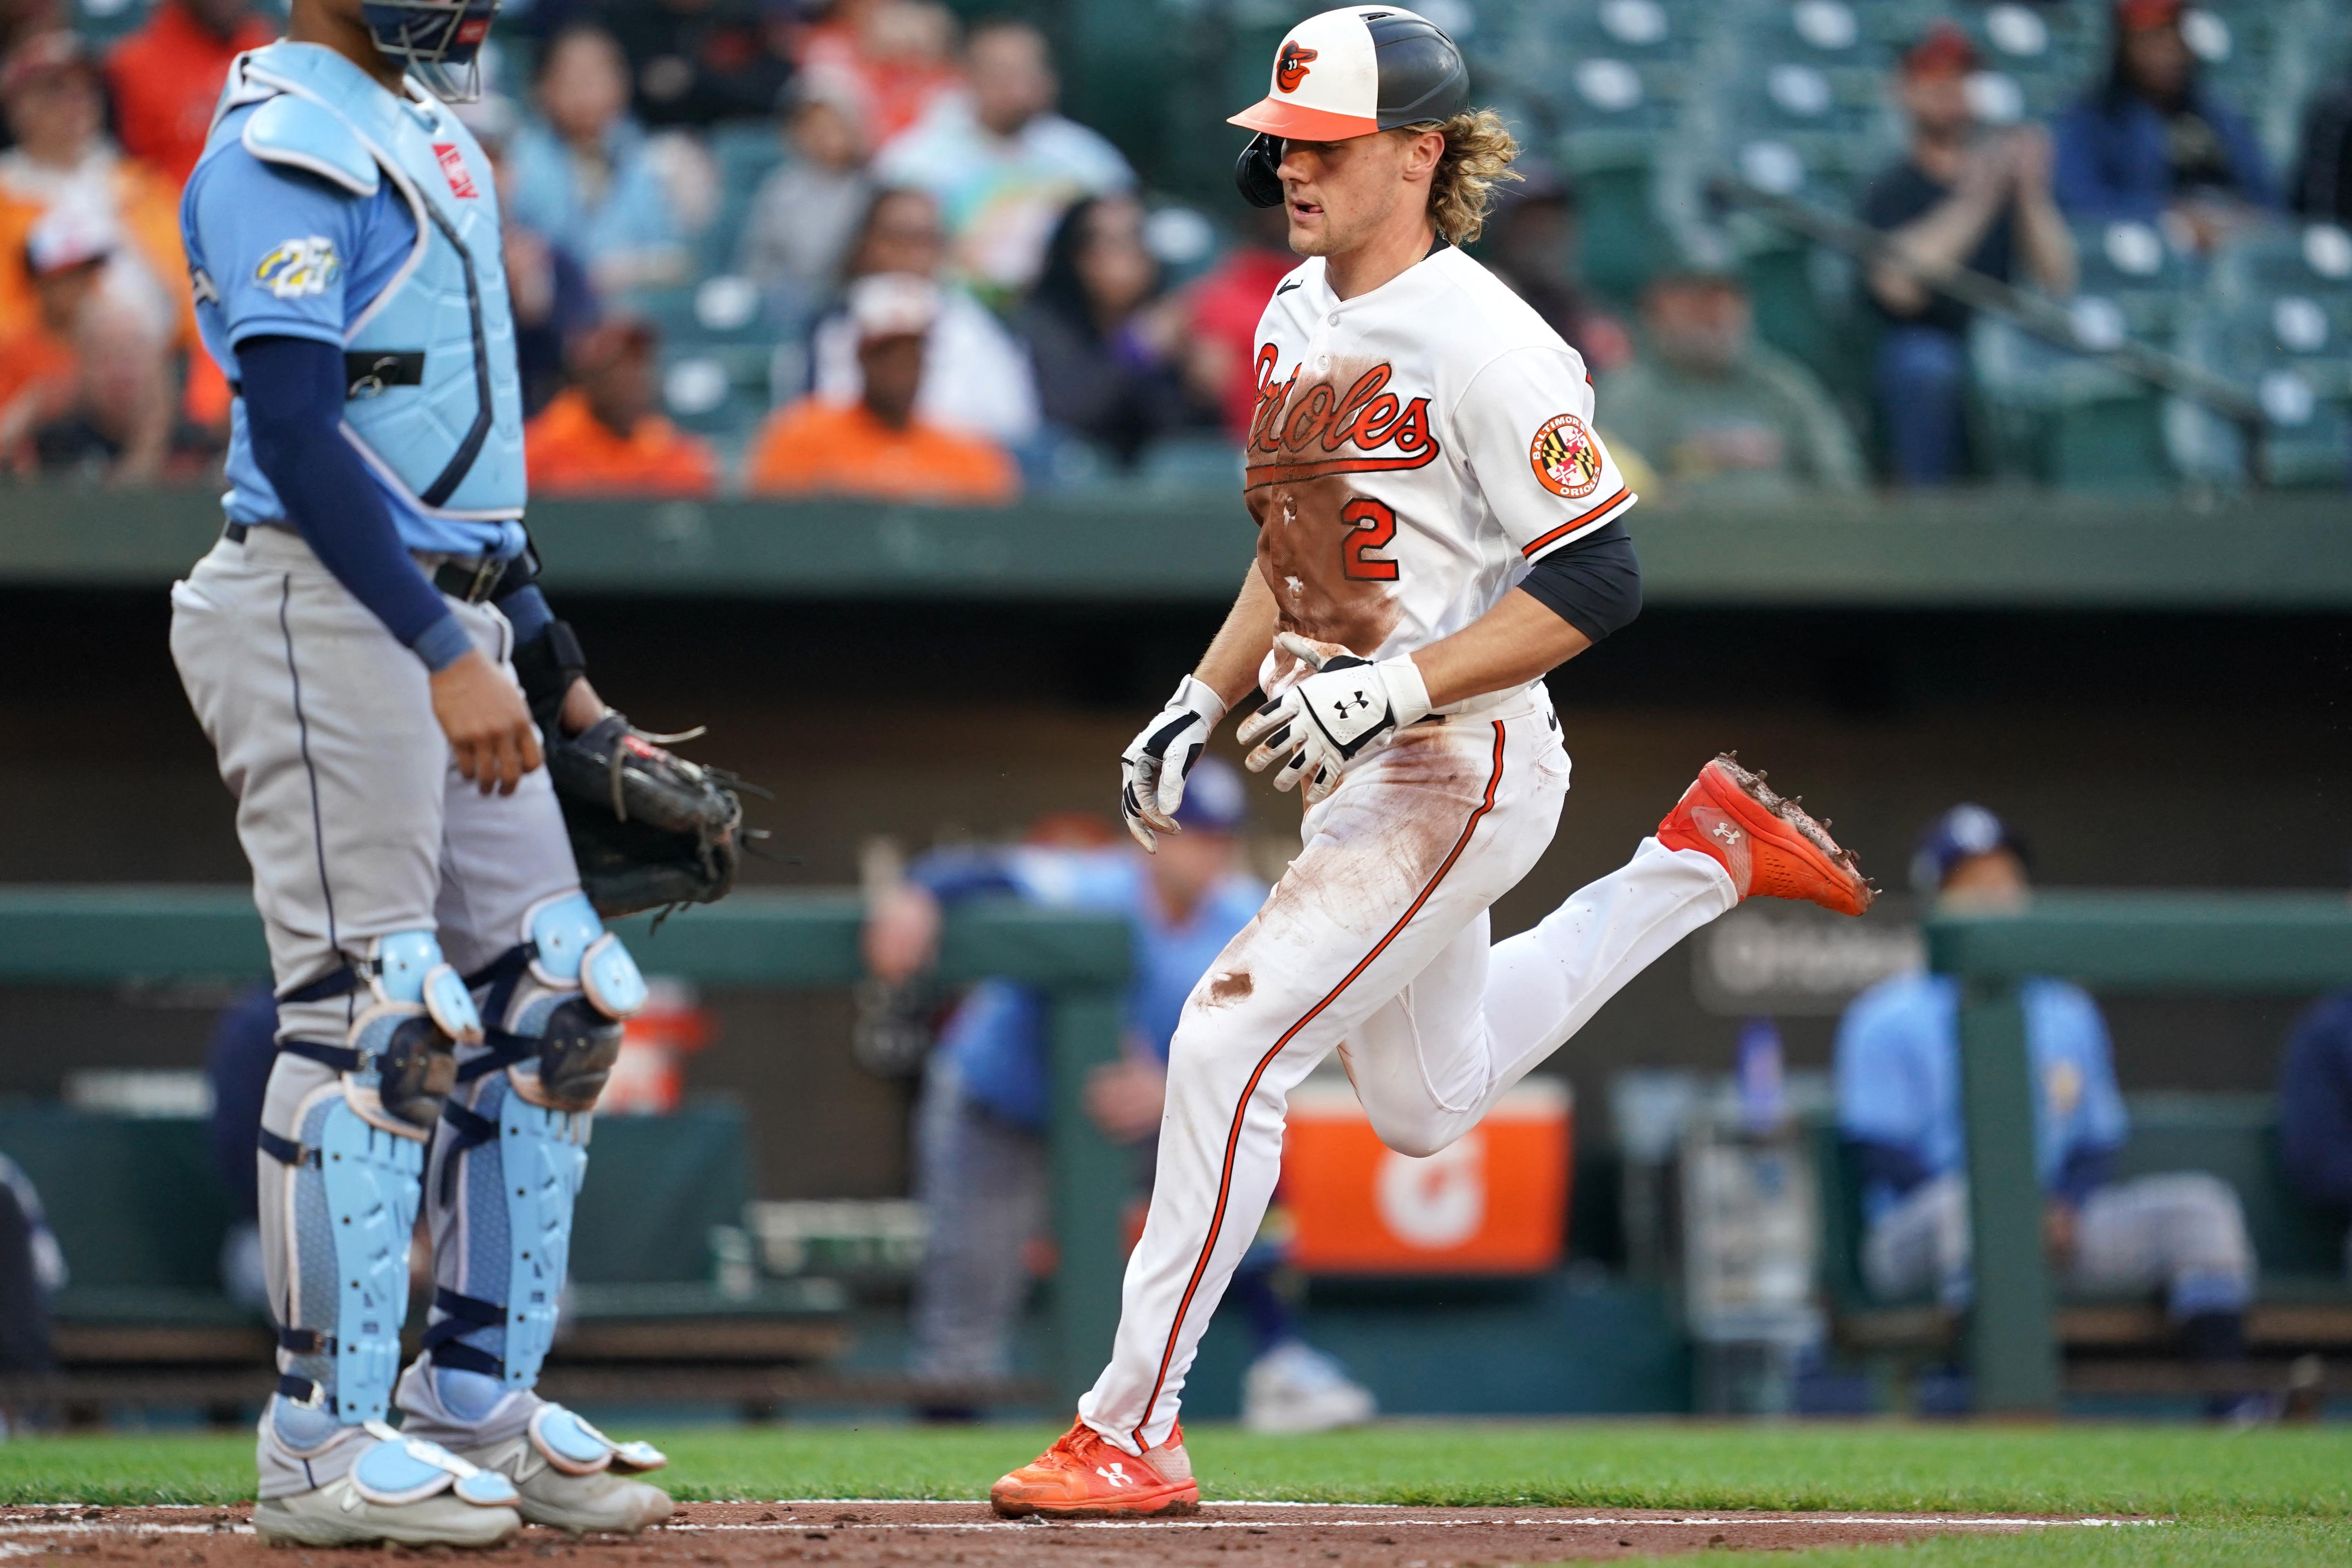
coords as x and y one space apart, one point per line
648 828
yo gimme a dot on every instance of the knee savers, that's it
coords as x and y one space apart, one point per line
579 984
405 1039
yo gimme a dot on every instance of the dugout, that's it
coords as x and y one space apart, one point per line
2152 691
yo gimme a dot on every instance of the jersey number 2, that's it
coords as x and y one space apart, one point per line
1372 525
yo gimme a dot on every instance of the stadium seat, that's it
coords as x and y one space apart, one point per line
2037 59
2071 420
1612 78
2290 354
2276 318
1792 100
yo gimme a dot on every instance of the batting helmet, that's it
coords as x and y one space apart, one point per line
1347 73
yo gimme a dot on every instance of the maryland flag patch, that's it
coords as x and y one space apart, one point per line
1565 459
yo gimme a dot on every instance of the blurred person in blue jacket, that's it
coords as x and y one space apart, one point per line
987 1100
584 174
1898 1098
2315 1106
2155 141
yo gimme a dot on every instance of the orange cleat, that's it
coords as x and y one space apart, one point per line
1083 1476
1770 846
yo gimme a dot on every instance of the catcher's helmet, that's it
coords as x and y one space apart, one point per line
1347 73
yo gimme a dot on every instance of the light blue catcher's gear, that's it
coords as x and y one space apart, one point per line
358 1173
402 1470
577 1448
514 1148
359 1162
435 404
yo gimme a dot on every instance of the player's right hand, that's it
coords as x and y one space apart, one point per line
1152 770
481 710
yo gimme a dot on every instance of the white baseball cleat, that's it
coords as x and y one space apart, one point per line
573 1477
1295 1389
402 1490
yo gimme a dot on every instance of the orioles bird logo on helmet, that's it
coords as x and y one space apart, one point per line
1290 67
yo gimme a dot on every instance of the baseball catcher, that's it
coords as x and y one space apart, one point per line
367 651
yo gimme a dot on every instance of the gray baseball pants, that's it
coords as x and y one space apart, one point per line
2183 1233
356 825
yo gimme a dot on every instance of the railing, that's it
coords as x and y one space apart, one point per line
1993 549
2146 942
98 936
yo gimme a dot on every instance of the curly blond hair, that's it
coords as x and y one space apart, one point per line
1478 152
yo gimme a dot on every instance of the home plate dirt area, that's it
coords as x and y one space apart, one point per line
1361 1536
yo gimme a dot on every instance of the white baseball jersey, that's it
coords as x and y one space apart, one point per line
1415 449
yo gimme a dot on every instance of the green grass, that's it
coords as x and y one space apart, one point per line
2198 1544
2281 1496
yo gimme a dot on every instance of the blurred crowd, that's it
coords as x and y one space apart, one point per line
795 247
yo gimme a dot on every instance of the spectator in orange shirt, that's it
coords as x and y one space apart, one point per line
602 437
83 384
55 110
897 56
876 446
167 77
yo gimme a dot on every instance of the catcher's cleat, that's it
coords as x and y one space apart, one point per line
399 1490
1083 1476
572 1477
1770 846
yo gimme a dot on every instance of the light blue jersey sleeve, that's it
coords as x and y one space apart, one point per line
2091 1116
278 245
1884 1078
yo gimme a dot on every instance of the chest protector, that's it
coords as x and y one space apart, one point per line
434 401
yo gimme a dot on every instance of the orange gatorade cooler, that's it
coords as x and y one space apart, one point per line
1494 1203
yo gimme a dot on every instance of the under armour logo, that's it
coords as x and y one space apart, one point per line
1726 832
1358 701
1116 1473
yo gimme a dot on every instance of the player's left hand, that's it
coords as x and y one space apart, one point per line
1314 728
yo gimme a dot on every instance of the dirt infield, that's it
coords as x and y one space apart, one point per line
1359 1536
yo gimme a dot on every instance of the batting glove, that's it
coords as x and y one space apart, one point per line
1314 728
1152 770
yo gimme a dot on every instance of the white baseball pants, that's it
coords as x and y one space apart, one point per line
1376 943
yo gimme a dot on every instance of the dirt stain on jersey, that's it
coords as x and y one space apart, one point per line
1224 990
1311 435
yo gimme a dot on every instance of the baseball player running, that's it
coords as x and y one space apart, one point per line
350 647
1438 526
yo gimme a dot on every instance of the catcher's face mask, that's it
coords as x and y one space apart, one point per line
438 41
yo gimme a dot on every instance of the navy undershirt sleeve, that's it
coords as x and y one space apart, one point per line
527 611
293 390
1595 584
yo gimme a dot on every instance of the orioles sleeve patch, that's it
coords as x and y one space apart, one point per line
1564 457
